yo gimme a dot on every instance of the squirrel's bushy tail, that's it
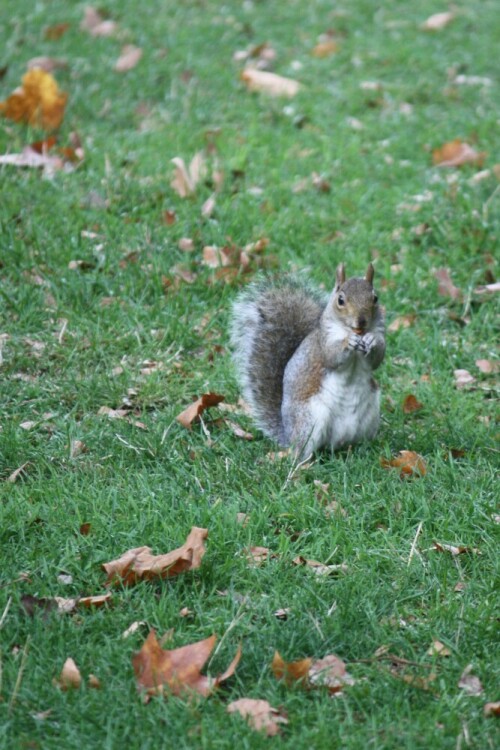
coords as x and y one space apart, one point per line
270 320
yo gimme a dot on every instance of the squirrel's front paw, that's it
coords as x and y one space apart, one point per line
367 343
355 342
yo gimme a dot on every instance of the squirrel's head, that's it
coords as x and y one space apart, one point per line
354 301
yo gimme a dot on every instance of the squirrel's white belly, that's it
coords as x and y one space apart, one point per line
346 409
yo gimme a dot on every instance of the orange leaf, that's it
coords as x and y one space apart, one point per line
329 672
139 563
269 83
179 670
292 671
410 463
194 410
260 715
410 404
38 102
492 709
456 153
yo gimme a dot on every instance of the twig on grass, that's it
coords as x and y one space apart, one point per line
19 676
7 606
414 545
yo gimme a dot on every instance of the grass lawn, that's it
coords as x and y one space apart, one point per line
100 307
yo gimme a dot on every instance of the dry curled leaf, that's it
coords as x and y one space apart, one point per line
196 409
325 48
404 321
37 102
186 178
455 549
139 563
321 569
269 83
258 555
469 683
70 677
410 404
259 714
438 649
329 672
486 366
457 153
96 24
409 463
178 671
129 57
438 21
463 378
446 286
492 709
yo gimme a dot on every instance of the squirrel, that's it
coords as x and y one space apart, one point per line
305 362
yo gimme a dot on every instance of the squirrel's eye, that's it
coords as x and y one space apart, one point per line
375 299
341 300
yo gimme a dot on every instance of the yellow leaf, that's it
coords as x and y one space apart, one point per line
38 102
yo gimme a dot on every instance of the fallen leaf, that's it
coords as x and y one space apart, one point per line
52 33
17 473
260 715
208 207
186 244
320 568
94 601
329 672
438 21
460 586
76 448
463 378
438 649
469 683
488 288
48 64
196 409
185 178
486 366
258 555
31 159
139 563
133 628
457 153
94 682
410 463
238 431
96 24
410 404
70 677
269 83
129 57
178 671
185 612
325 48
85 528
38 102
282 614
455 550
404 321
492 709
242 518
446 287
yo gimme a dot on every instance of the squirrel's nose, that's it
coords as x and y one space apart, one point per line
362 322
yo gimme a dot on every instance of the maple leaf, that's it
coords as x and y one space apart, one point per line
178 671
329 672
457 153
260 715
269 83
196 409
38 102
139 563
410 463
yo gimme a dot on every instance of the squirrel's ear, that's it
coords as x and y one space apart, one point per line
340 274
370 272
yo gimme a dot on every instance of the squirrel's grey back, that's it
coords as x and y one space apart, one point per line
270 320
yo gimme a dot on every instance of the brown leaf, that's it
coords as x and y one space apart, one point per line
463 378
329 672
96 24
52 33
492 709
196 409
438 649
410 463
258 555
438 21
404 321
186 244
70 676
94 601
410 404
185 178
486 366
139 563
76 448
48 64
469 683
17 473
129 57
260 715
455 550
318 567
269 83
325 48
158 670
446 287
94 682
238 431
457 153
38 102
85 528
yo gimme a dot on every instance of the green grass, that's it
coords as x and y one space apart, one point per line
148 487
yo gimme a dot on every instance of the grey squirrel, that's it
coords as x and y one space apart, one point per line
305 362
